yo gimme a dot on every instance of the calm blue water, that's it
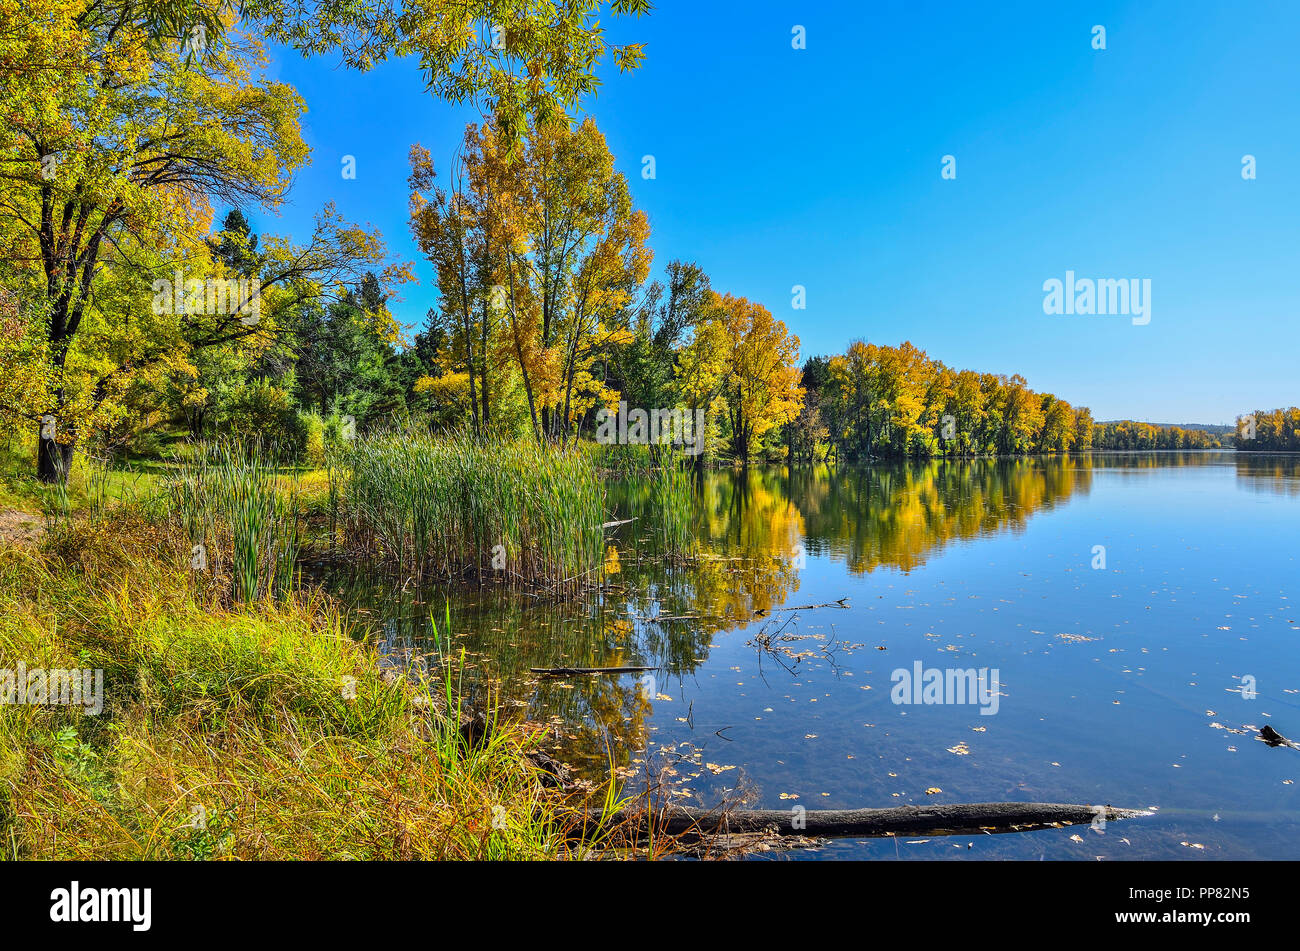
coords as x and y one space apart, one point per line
1138 683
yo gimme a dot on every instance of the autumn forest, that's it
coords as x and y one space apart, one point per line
542 260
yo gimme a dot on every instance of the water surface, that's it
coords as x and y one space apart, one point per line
1139 681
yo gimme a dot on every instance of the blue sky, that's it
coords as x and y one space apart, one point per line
821 167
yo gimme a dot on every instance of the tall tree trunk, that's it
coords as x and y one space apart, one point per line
53 458
483 357
468 330
523 364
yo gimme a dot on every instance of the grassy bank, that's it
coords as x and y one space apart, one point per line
265 731
90 483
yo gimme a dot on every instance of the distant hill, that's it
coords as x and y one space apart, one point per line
1215 428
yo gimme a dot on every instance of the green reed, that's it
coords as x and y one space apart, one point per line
672 507
241 523
455 507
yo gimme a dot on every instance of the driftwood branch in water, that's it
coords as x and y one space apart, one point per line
993 817
575 671
841 603
1274 738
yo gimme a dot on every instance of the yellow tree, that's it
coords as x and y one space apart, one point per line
603 288
572 252
903 375
117 143
701 373
1022 414
512 58
23 364
455 231
762 388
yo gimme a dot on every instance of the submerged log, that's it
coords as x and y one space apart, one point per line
1274 738
575 671
841 603
979 817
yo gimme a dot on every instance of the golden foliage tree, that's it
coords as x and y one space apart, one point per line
546 234
118 140
762 385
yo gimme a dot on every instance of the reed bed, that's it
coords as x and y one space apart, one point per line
624 460
453 507
240 516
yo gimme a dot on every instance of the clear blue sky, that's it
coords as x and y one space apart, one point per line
821 167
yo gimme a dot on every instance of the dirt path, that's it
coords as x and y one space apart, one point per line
19 528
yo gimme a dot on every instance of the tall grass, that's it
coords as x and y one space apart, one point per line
623 460
258 734
454 507
61 500
241 519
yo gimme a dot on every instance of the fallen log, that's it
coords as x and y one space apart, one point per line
962 819
1274 738
576 671
841 603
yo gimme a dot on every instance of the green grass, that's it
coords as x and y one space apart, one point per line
262 732
672 506
654 487
243 719
90 484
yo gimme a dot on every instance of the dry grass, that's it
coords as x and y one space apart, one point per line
234 734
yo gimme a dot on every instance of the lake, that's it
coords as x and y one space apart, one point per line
1123 623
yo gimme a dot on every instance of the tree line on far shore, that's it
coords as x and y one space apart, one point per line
883 401
1276 430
